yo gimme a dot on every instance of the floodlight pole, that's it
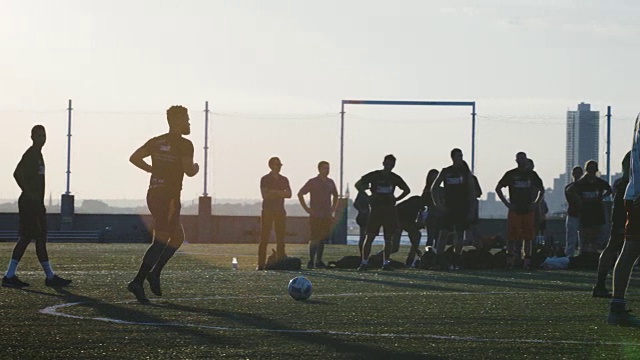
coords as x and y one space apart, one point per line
206 144
609 144
69 110
341 147
473 137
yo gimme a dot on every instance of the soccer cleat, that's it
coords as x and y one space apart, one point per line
321 265
57 281
259 267
386 267
154 284
138 290
13 282
363 267
310 264
600 292
622 318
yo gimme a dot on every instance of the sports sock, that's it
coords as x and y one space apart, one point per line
13 266
618 304
601 279
142 273
48 271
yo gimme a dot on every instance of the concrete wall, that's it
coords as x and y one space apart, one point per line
227 229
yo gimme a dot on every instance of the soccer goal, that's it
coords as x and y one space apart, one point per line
472 104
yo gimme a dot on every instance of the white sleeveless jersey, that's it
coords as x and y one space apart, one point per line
633 189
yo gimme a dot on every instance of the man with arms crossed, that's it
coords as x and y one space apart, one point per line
323 203
274 189
171 158
525 191
382 184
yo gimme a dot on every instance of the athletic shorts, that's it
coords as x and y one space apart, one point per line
632 228
521 226
385 217
455 219
165 210
33 219
320 229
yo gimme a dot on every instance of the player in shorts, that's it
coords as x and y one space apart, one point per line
459 192
29 175
171 159
618 312
588 193
382 185
525 191
616 236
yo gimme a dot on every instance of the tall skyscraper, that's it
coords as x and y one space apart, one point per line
583 129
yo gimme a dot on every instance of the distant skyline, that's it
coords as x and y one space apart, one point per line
274 74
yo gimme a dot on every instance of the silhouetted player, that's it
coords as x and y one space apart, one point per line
29 175
382 184
171 158
274 189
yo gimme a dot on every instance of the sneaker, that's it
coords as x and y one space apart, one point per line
56 281
321 265
138 290
600 292
386 267
622 318
13 282
310 264
363 267
154 284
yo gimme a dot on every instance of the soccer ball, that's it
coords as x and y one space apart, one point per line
300 288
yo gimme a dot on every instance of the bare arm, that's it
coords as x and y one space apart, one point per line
435 185
501 196
189 167
405 191
301 199
137 159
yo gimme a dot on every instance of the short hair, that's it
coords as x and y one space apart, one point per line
273 160
589 162
577 168
322 163
175 112
455 150
37 128
390 157
521 153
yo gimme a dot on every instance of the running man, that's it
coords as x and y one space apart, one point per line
323 204
171 159
382 185
618 313
29 175
616 236
274 189
525 192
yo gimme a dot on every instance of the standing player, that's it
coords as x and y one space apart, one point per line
29 175
274 189
618 313
588 193
171 158
573 216
320 211
382 184
459 192
616 236
525 191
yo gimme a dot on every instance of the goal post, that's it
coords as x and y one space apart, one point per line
472 104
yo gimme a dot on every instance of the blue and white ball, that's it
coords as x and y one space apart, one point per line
300 288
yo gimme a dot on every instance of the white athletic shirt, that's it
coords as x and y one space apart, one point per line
633 189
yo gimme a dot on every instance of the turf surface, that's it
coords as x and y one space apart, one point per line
210 311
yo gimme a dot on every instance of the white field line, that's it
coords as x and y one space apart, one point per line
54 310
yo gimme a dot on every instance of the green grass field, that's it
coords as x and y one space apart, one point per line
210 311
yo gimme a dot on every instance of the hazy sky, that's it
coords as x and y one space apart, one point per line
274 73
